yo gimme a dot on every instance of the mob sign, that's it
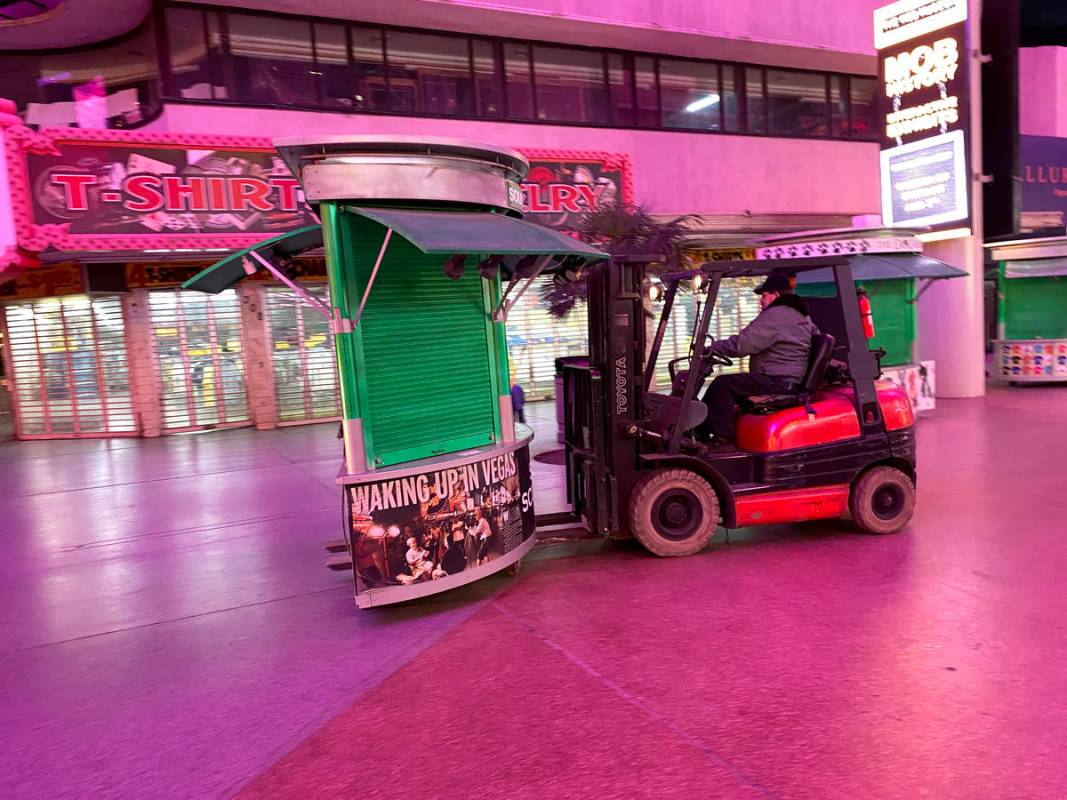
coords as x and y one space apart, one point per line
88 190
922 53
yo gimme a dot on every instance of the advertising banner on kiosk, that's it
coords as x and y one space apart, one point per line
924 112
444 527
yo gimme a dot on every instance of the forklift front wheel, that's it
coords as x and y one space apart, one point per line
674 512
883 500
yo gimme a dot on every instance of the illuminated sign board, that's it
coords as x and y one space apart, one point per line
925 182
924 112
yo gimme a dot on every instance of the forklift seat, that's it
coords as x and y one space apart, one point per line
822 348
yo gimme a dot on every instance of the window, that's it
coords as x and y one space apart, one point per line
302 62
862 95
647 92
368 70
429 74
690 93
487 86
755 100
838 105
331 66
116 86
570 85
272 60
796 103
190 74
731 107
620 84
518 80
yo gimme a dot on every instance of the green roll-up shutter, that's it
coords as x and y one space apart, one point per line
1034 308
427 375
894 318
893 312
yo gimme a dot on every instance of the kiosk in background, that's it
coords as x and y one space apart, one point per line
892 273
1031 343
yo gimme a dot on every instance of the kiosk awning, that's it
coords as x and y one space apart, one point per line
451 232
887 267
445 233
235 267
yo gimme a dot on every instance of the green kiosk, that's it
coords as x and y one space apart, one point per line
892 272
1031 343
426 253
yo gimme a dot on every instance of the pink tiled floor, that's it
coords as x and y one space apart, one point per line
167 630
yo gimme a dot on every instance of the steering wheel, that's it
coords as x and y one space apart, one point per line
716 360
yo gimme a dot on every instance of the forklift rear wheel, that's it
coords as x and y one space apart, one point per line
674 512
883 500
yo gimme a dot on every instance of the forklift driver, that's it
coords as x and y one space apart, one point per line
778 343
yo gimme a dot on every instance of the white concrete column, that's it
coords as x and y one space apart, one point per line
259 370
951 314
951 321
143 366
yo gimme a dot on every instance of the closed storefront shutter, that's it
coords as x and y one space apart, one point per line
737 306
536 340
302 356
69 367
426 353
199 353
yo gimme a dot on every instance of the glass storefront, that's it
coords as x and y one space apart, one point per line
68 361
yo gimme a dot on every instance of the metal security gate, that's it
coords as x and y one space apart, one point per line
536 340
200 356
68 365
302 355
737 306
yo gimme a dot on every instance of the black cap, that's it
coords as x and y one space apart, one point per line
775 282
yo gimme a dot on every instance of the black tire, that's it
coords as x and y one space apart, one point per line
674 512
882 500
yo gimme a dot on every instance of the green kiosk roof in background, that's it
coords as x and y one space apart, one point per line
433 232
225 273
886 267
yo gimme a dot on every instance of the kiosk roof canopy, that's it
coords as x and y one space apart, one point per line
433 232
225 273
886 267
450 232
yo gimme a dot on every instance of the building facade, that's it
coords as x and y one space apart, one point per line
749 119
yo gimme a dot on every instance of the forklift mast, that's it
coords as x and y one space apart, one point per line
603 399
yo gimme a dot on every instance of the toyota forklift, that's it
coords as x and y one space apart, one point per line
842 444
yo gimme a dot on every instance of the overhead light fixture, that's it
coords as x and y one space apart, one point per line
655 291
702 102
700 281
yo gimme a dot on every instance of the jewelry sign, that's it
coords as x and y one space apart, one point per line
922 54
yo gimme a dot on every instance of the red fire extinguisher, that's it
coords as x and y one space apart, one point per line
865 313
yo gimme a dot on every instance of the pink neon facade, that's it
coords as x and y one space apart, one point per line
674 172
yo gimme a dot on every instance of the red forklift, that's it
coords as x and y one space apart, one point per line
842 445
